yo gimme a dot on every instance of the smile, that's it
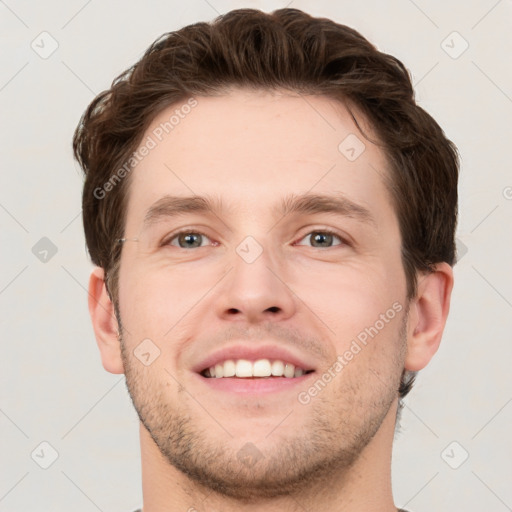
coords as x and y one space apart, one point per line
262 368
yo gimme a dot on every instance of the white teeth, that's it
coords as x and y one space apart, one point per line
260 368
277 368
243 368
289 370
229 368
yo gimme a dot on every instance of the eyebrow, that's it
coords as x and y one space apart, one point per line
173 206
306 204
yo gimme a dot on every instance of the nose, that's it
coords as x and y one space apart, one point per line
255 291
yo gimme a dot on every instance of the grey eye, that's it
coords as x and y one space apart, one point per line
321 239
188 240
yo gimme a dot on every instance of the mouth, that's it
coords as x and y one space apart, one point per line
254 378
259 369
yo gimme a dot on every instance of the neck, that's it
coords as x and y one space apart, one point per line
365 486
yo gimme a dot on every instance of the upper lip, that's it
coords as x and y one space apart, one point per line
253 353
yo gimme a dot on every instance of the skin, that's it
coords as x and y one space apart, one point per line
333 453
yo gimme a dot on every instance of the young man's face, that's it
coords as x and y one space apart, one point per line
251 277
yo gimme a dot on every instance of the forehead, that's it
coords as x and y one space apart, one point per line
252 148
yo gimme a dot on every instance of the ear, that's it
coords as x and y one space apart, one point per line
427 316
104 323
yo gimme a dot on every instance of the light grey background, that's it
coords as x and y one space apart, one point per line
53 387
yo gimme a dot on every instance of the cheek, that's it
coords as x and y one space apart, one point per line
351 298
156 302
363 307
370 355
139 301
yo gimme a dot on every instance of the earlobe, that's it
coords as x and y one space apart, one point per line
427 316
104 323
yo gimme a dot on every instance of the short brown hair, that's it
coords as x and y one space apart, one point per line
287 50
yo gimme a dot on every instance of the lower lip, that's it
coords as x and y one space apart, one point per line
254 386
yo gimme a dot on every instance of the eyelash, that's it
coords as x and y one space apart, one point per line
168 240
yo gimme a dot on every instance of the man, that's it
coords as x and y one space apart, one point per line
272 218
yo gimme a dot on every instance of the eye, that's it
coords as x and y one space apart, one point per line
186 239
323 238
